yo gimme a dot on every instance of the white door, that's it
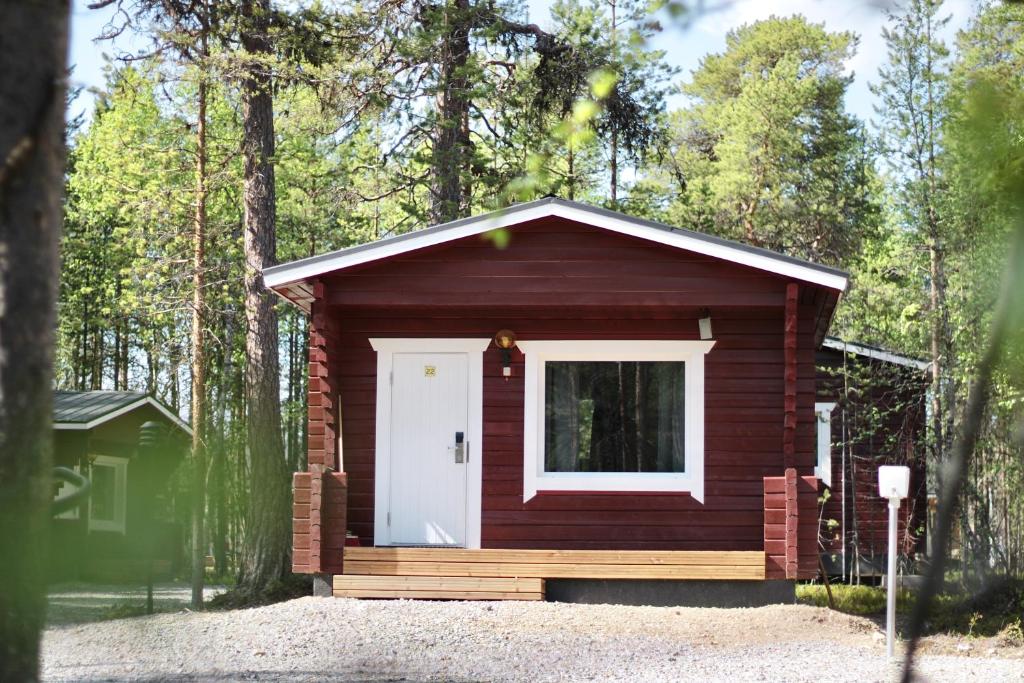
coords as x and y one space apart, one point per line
429 416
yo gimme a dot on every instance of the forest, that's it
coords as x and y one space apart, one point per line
335 124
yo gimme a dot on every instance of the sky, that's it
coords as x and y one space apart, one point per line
684 45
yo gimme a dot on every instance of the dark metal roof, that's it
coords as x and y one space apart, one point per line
875 353
85 409
86 406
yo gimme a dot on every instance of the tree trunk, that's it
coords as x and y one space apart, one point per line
571 175
226 385
125 353
452 147
265 552
199 404
33 50
614 165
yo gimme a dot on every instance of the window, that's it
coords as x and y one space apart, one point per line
614 416
823 421
108 492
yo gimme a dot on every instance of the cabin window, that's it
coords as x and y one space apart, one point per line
108 477
823 421
614 416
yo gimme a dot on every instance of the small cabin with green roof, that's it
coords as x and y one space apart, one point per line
96 433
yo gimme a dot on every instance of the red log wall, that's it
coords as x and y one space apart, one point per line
895 397
560 280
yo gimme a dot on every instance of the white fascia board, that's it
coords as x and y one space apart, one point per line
146 400
726 252
287 274
875 354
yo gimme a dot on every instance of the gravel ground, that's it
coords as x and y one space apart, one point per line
317 639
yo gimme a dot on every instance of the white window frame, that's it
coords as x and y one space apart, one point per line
120 466
386 348
537 353
823 466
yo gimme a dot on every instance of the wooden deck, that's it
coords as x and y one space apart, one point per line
462 574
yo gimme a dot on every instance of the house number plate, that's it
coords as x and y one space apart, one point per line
429 371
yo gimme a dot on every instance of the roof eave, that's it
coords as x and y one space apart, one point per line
282 276
123 410
884 355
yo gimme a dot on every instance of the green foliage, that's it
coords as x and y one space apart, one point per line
767 153
377 103
859 600
993 612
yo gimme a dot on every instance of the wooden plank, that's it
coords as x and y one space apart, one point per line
438 583
578 557
436 595
556 571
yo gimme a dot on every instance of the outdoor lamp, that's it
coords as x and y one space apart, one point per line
894 484
705 324
506 341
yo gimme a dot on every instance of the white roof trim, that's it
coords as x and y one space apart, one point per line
762 259
145 400
875 354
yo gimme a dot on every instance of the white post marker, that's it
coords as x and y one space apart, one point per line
893 483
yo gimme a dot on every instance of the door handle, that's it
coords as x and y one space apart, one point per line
460 447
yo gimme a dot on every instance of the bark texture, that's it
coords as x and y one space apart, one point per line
265 553
199 404
453 151
33 52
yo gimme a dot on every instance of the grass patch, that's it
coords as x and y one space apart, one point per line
994 611
859 600
127 609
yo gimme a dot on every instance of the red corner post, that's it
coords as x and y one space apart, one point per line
319 512
790 545
789 428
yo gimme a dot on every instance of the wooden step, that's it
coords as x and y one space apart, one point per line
438 587
555 564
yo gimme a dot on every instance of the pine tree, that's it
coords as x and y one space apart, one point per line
265 556
911 90
769 145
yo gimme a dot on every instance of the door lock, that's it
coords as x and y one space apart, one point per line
460 447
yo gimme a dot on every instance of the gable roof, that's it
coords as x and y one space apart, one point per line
88 409
875 353
281 278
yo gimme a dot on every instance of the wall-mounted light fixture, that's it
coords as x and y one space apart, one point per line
506 341
704 323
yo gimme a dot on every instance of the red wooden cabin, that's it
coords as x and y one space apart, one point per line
612 452
871 411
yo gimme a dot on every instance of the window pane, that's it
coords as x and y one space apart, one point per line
102 493
608 416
